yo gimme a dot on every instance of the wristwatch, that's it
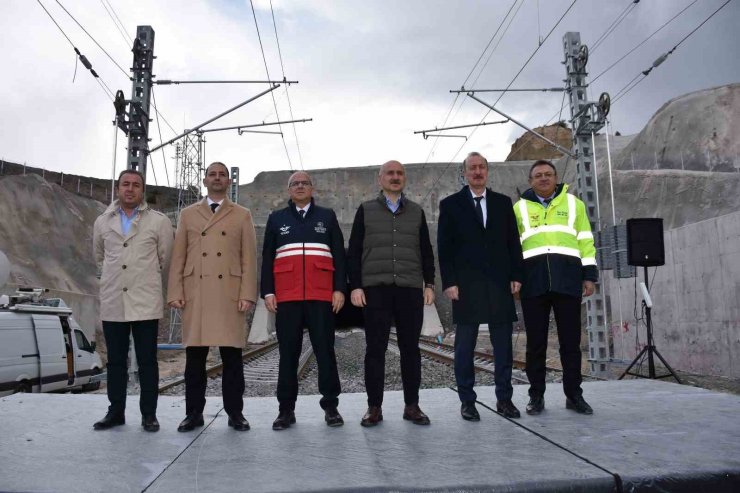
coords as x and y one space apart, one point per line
430 286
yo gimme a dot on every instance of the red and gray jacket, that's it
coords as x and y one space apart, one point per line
303 258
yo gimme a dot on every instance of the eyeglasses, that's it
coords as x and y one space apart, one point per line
296 184
543 175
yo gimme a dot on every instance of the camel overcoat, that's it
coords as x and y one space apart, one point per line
214 264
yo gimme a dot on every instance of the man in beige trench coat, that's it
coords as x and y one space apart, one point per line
132 245
213 278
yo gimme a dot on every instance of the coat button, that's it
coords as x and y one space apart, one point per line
123 267
125 244
205 254
223 233
394 244
201 276
220 276
218 254
125 289
203 233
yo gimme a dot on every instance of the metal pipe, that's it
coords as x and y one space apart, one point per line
557 146
546 89
267 91
263 124
165 82
461 126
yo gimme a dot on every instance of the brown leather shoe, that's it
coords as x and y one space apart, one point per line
373 416
414 414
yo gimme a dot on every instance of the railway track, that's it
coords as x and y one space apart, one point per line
260 365
484 362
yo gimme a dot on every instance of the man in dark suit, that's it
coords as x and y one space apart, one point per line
480 260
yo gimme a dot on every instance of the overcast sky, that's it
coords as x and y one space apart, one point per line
370 73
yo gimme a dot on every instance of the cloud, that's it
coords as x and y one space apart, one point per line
370 74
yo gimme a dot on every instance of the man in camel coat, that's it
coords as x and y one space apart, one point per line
213 278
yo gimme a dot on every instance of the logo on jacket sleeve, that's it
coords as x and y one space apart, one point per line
320 227
284 230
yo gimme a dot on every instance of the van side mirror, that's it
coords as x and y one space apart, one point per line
93 345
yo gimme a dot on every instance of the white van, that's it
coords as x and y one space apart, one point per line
42 348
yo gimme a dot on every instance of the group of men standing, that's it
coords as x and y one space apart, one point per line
489 250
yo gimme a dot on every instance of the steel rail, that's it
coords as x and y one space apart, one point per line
247 356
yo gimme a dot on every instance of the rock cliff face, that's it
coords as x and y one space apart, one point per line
46 232
699 131
529 147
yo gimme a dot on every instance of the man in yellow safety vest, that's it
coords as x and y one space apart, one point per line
559 270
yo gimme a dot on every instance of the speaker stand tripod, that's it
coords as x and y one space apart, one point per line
649 351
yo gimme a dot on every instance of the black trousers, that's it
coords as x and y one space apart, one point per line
404 308
232 379
291 318
568 319
145 344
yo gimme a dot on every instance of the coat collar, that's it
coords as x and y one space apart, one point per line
465 198
112 211
560 192
223 210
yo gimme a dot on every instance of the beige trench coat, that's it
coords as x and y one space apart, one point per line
132 266
214 264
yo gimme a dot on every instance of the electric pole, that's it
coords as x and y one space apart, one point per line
138 123
587 118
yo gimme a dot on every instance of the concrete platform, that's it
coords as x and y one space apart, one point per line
645 436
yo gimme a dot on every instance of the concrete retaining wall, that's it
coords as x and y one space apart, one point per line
696 296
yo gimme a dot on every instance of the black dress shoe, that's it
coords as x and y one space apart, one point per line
332 417
536 405
578 405
508 409
238 422
469 412
109 421
414 414
284 420
190 422
372 417
150 423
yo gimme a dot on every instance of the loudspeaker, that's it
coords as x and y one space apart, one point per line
645 245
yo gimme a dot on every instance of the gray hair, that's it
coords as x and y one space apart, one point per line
473 154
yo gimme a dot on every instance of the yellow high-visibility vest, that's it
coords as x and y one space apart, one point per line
562 228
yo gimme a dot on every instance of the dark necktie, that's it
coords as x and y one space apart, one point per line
213 207
302 213
546 202
479 210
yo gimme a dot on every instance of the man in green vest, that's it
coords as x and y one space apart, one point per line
559 270
391 274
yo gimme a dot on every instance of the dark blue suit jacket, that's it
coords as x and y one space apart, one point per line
480 261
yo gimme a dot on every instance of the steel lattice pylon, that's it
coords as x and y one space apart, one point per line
189 156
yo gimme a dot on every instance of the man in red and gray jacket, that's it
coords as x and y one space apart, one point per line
303 276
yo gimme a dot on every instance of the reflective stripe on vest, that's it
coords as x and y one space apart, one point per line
554 228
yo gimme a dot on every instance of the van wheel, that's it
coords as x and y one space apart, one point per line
94 385
23 388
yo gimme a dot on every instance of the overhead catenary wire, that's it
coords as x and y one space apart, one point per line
502 95
267 71
645 73
159 130
93 39
118 28
123 27
80 56
457 96
642 42
282 68
615 23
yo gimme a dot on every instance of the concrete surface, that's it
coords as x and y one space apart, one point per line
648 433
696 298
